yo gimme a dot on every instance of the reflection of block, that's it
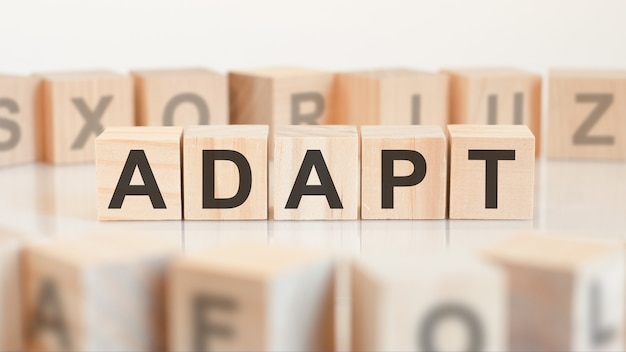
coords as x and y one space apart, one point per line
442 303
139 173
587 114
331 192
403 172
10 314
496 96
252 298
225 172
17 119
96 293
392 97
492 172
180 97
76 107
565 294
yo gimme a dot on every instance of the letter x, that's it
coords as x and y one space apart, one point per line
92 119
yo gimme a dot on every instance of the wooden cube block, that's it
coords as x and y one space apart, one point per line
566 294
17 119
180 97
74 108
10 292
96 293
496 96
329 193
252 298
587 114
435 303
492 172
404 172
139 173
225 172
392 97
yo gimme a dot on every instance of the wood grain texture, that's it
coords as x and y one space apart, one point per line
11 338
587 114
468 178
180 97
339 147
427 199
447 302
488 96
17 113
566 294
252 298
392 97
105 97
248 140
96 293
162 148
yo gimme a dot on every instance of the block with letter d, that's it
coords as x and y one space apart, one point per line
252 298
139 173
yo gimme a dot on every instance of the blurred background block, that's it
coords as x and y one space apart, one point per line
393 96
587 114
566 294
180 97
17 119
252 298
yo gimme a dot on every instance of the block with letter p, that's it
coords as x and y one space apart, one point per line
139 173
181 97
74 108
566 294
492 172
225 172
587 114
252 298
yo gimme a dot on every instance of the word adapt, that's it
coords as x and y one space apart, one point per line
319 172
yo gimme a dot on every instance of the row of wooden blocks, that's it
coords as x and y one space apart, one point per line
133 292
320 172
54 117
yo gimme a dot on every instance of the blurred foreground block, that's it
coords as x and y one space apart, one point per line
10 293
139 173
225 172
587 114
252 298
96 293
443 303
566 294
392 97
404 172
496 96
17 119
180 97
75 107
331 192
492 172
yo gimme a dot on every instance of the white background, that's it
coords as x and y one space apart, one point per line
44 35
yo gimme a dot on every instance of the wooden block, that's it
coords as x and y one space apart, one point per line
10 292
496 96
566 294
225 172
435 303
404 172
97 293
329 193
180 97
76 107
252 298
587 114
492 172
17 119
392 97
139 173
